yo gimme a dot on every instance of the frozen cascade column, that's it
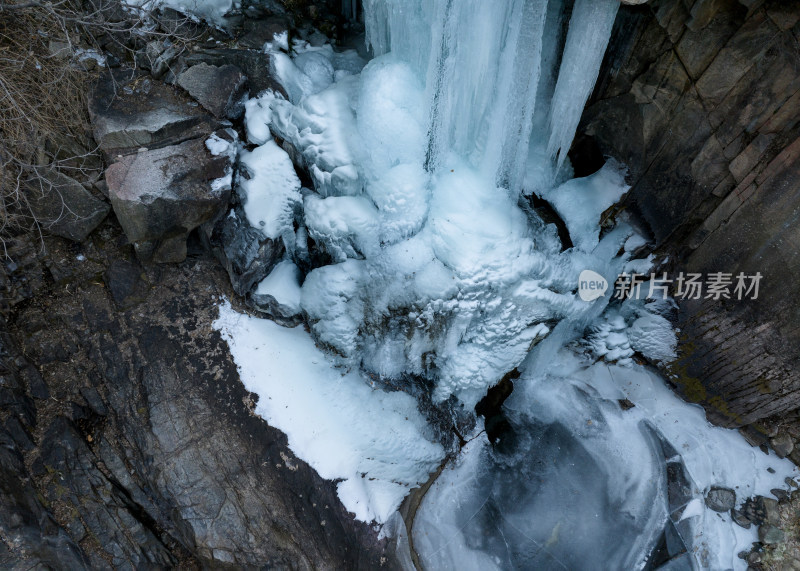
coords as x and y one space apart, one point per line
482 63
482 81
402 27
587 39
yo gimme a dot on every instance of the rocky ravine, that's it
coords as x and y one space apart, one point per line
128 440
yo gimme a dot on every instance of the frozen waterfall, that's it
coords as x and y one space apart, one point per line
421 268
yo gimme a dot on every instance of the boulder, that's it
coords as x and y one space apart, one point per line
258 32
740 519
782 444
218 89
62 206
274 310
133 112
159 196
254 64
721 499
244 251
770 535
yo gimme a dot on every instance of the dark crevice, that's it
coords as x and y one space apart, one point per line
490 407
548 214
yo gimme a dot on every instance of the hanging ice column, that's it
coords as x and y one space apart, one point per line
589 32
482 66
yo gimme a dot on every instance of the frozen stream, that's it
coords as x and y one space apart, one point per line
416 257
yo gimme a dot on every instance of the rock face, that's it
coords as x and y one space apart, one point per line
128 440
161 195
63 207
702 101
254 64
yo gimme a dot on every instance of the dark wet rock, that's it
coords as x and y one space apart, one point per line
69 474
31 538
273 309
62 206
768 534
159 196
761 510
721 499
254 64
125 282
244 251
258 32
740 519
490 407
130 112
218 89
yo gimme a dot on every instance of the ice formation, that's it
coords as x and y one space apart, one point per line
416 255
418 161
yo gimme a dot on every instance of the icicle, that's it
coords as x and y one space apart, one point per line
350 10
516 120
587 39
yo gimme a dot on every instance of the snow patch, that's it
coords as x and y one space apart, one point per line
377 443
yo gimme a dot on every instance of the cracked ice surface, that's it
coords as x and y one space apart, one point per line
581 483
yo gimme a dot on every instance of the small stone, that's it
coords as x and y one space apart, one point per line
740 519
782 444
721 499
625 404
782 495
768 534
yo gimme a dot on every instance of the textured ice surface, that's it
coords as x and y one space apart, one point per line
323 131
258 117
375 442
581 201
272 191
